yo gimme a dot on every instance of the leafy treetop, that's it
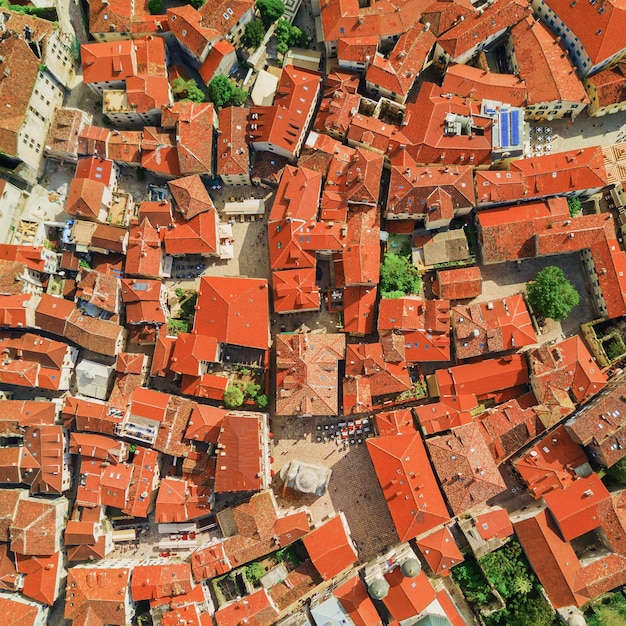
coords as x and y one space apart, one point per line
270 10
398 277
551 294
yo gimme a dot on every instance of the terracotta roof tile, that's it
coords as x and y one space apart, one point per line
459 284
440 551
330 548
233 155
493 326
466 469
295 290
398 459
407 597
153 581
307 373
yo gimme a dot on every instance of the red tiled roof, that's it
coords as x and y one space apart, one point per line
567 367
481 84
398 71
465 467
493 523
256 609
361 255
449 412
98 590
197 236
282 124
16 612
234 311
576 509
221 49
191 351
153 581
108 61
159 152
508 427
85 198
402 468
419 191
555 462
295 290
40 576
610 85
425 128
407 597
424 326
493 326
459 284
358 310
240 458
297 196
144 256
553 560
395 422
497 17
307 373
190 196
159 214
149 404
597 31
357 49
194 124
233 158
330 548
355 600
193 29
180 501
544 65
491 375
440 551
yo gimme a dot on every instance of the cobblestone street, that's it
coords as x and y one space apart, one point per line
353 487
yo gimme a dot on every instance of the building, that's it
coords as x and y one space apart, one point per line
236 312
281 128
607 91
458 284
307 377
468 473
258 606
440 551
412 329
480 83
233 158
33 95
434 194
465 40
194 32
590 34
66 126
101 592
219 62
393 76
33 361
599 425
356 53
494 326
330 548
538 57
408 483
243 455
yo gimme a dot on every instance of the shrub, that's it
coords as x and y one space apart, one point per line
253 34
233 396
155 7
262 401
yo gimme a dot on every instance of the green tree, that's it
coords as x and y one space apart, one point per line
221 91
254 571
233 396
270 10
195 94
551 294
282 31
198 4
282 48
251 390
574 205
398 276
238 97
253 34
262 401
155 7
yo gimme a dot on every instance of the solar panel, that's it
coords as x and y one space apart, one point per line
515 128
504 131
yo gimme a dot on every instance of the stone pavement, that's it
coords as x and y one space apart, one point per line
353 487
